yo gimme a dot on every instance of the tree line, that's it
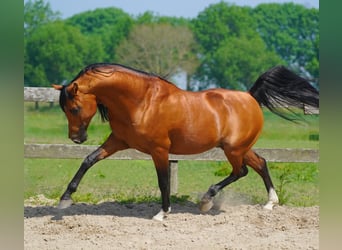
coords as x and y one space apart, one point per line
225 46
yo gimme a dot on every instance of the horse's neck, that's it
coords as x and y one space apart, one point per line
123 88
118 90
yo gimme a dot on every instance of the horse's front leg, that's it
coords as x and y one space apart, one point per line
109 147
161 161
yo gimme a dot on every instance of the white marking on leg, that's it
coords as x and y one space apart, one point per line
161 215
65 203
272 199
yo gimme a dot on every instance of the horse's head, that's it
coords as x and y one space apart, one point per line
79 108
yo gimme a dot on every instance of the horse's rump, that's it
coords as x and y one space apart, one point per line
213 118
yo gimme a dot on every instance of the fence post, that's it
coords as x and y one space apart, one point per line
173 172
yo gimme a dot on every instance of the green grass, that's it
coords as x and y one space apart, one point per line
280 133
127 181
295 183
123 181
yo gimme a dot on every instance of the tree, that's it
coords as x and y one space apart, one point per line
238 62
232 52
162 49
292 31
149 17
111 25
37 13
312 65
56 52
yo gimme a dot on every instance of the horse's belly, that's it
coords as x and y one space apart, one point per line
189 150
192 145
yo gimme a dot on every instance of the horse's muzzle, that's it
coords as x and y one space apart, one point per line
78 138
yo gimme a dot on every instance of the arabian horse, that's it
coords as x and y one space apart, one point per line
152 115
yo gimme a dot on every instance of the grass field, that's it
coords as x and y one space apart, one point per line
124 181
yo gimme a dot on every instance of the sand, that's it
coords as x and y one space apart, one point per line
111 225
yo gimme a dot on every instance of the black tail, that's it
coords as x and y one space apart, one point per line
280 88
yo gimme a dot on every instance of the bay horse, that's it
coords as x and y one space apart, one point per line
152 115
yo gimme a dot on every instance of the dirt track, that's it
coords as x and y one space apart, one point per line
110 225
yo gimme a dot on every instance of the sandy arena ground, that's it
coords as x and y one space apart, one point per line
110 225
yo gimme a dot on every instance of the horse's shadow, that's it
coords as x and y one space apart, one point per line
138 210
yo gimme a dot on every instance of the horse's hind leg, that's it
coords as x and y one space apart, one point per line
239 170
161 161
259 165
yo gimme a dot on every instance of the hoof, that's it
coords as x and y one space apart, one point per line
269 206
64 204
161 215
206 204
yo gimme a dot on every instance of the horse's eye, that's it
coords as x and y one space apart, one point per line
75 111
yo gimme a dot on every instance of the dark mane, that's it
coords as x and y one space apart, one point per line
103 112
110 69
63 97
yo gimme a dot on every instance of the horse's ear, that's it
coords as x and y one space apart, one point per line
74 89
57 87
